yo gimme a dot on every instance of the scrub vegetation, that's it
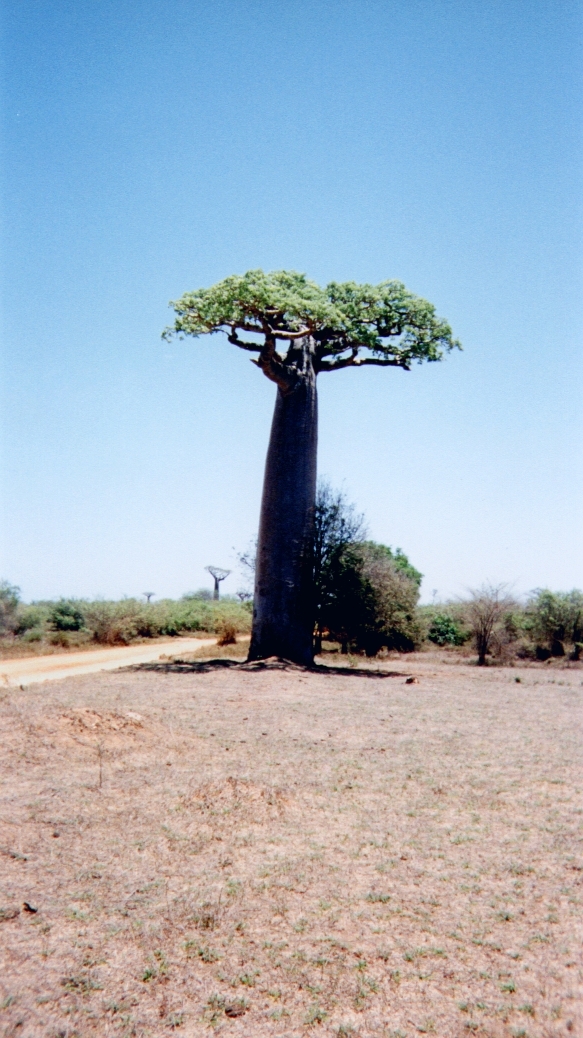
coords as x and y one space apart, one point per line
42 627
367 605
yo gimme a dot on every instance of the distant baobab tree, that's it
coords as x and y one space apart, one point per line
148 595
218 574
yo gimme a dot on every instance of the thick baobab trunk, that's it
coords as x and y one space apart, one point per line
283 612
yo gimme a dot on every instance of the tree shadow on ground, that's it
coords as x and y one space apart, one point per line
178 666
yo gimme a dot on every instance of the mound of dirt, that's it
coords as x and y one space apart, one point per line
86 725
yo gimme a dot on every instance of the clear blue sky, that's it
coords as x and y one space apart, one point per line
150 148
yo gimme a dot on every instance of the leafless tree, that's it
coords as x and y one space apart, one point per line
485 611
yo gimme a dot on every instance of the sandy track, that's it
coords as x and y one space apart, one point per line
51 668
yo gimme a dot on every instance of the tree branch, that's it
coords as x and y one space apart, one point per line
385 362
253 347
341 362
356 362
290 335
273 367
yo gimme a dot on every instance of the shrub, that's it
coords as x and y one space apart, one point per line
444 630
118 623
66 615
359 596
556 620
60 638
392 621
227 632
112 623
30 618
33 635
374 604
9 599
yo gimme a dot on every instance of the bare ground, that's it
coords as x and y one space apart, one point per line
264 851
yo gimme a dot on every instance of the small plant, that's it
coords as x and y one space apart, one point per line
315 1015
162 963
420 953
380 898
208 917
82 984
300 925
205 954
215 1008
227 632
508 986
248 979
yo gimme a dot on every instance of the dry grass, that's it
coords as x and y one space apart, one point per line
264 851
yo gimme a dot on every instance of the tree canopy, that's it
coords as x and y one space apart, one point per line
350 325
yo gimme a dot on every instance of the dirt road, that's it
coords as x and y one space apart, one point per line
51 668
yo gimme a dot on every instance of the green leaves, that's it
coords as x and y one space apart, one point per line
253 302
347 324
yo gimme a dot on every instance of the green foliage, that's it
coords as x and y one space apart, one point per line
386 320
556 619
121 622
366 593
444 630
67 615
336 526
400 560
375 602
31 618
9 599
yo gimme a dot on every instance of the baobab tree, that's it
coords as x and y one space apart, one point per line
298 331
218 574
